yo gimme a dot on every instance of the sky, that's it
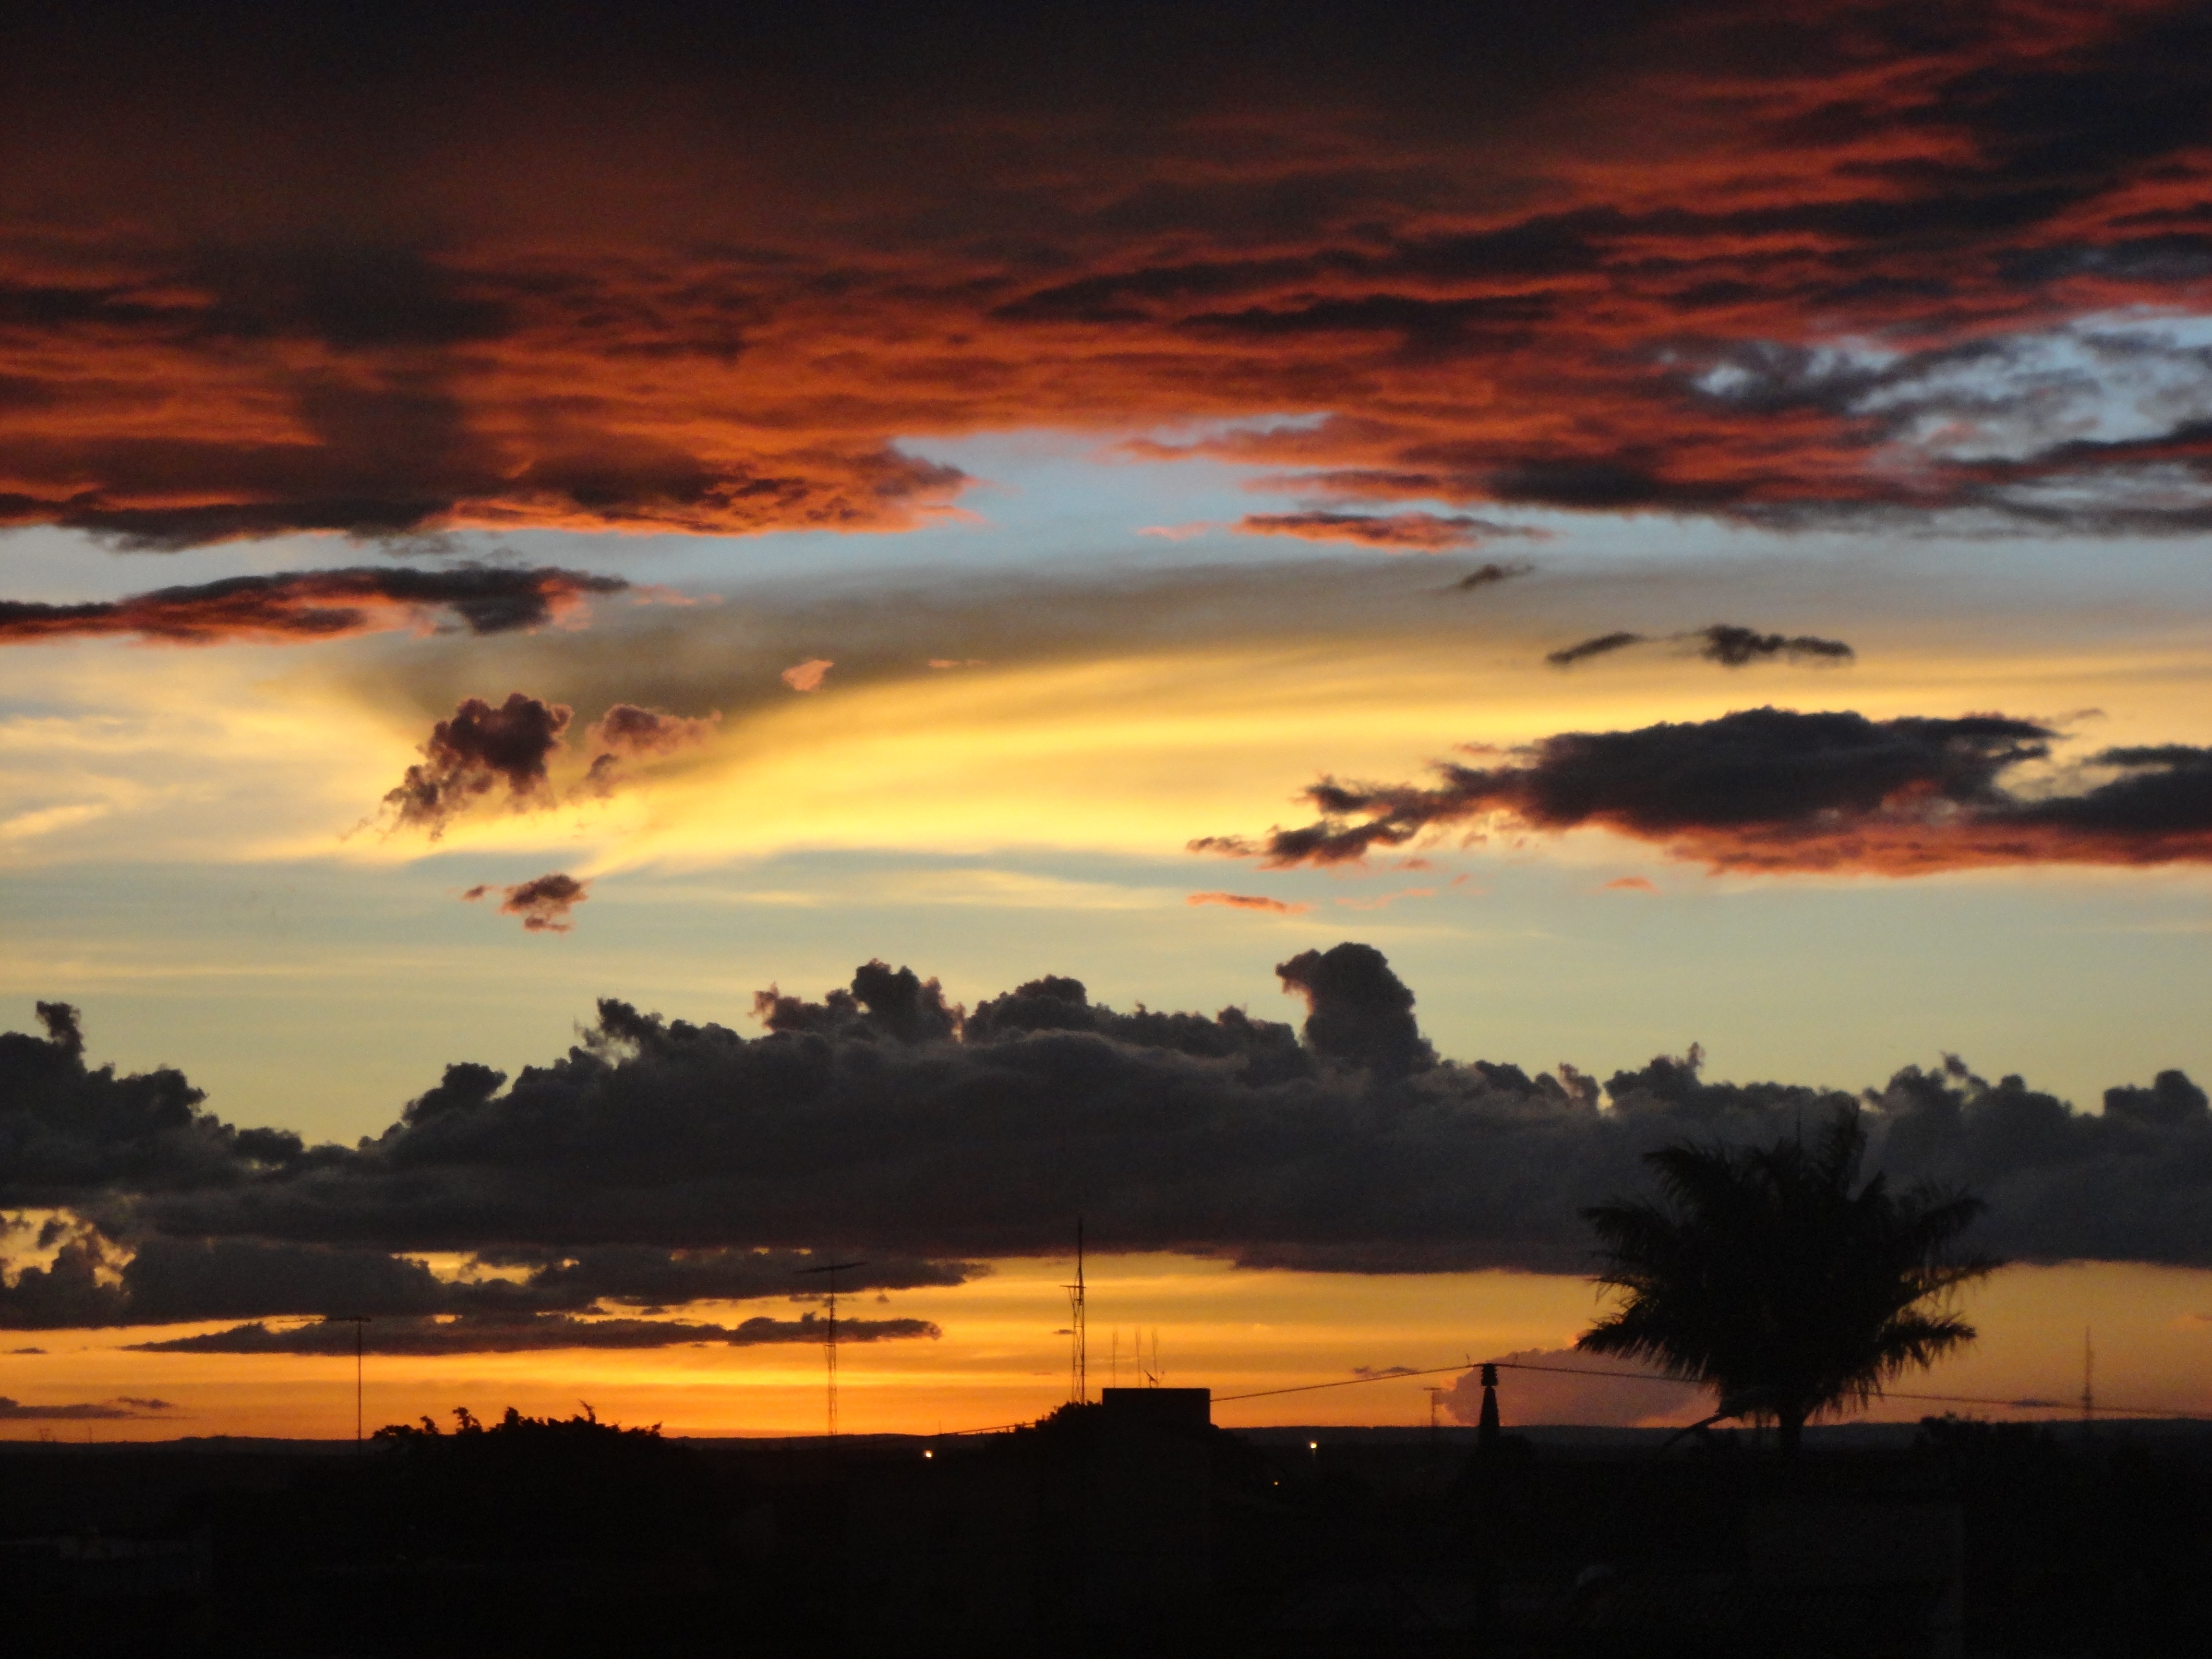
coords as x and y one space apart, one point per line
642 647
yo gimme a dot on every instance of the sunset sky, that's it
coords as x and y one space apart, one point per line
603 611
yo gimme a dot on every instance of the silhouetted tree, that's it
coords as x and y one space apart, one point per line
1770 1274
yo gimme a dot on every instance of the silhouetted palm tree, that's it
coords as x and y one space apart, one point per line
1768 1273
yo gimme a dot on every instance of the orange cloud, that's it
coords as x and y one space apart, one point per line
1250 901
809 675
1629 884
1387 237
317 604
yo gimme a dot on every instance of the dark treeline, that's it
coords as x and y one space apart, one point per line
536 1536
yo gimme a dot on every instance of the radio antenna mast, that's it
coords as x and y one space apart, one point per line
830 1333
1079 1377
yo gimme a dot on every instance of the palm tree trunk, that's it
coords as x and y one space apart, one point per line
1790 1432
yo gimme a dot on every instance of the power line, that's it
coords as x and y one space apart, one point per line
1653 1376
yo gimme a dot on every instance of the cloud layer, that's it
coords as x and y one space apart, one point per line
660 1163
1851 265
317 604
1772 789
528 1334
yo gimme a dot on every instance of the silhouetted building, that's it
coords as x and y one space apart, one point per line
1096 1526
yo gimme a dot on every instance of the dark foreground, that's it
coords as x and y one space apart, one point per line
1129 1529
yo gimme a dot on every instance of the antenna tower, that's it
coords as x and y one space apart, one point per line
360 1323
830 1333
1078 1379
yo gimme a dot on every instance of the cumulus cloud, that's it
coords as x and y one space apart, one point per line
545 903
317 604
809 675
660 1163
1775 790
475 751
1394 533
1250 901
1358 1010
67 1128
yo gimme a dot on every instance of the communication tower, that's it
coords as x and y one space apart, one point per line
829 1331
1079 1379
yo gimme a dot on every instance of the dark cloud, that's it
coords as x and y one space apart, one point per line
1488 575
161 1280
660 1163
1772 789
316 605
1396 532
1360 1013
122 1407
1733 647
527 1334
1725 643
893 1004
471 754
1602 645
545 903
67 1129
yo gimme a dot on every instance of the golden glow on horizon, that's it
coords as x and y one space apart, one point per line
1001 1361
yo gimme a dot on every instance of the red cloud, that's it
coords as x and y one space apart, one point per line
1544 259
316 605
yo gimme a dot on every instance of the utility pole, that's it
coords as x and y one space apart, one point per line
829 1335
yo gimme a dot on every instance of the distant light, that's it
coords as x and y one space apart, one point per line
1313 1445
926 1452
